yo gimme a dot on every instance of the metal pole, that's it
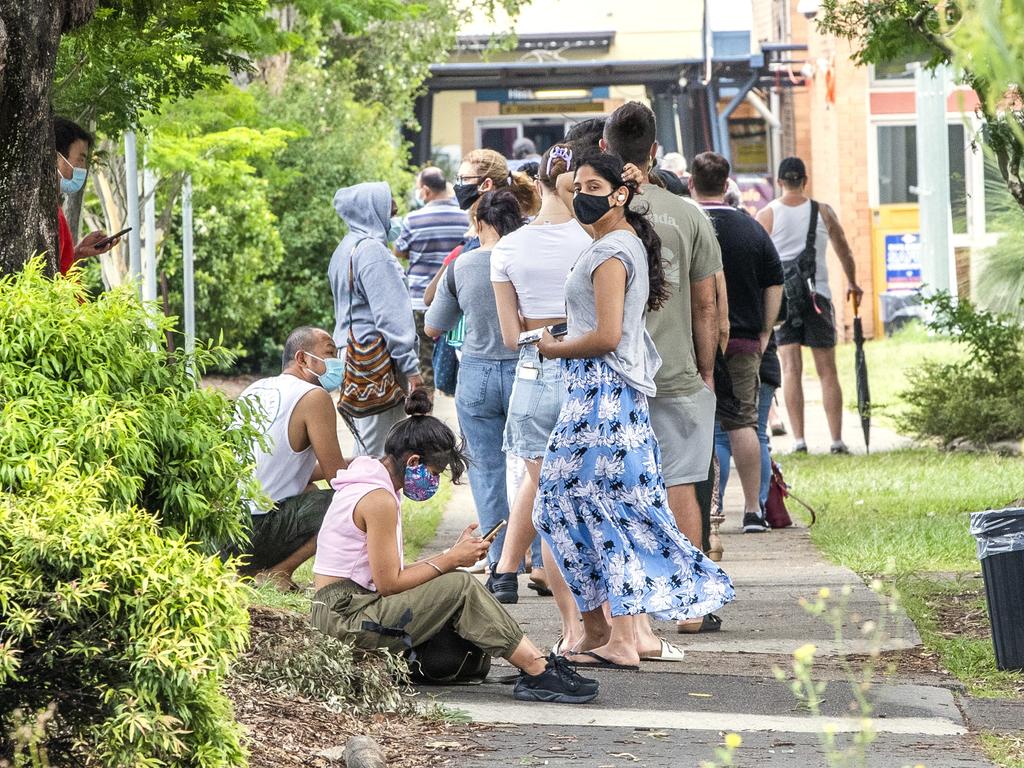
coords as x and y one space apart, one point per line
933 180
149 255
131 172
187 272
723 119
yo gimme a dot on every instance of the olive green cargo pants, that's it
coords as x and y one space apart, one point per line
399 622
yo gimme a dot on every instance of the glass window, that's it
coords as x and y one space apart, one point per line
897 169
898 68
500 139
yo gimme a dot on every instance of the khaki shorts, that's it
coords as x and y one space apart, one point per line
743 370
685 428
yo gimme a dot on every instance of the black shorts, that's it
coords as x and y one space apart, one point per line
276 535
817 331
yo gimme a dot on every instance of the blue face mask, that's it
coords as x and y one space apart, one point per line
76 182
332 378
420 483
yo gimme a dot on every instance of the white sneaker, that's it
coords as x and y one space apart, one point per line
480 566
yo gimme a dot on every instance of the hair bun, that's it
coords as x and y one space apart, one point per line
418 403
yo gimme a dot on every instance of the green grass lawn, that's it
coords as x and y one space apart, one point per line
889 361
905 516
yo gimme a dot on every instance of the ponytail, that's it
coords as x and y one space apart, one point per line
609 167
492 165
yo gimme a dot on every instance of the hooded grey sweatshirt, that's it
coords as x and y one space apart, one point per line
381 303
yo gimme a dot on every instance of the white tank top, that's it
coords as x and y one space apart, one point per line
282 472
789 233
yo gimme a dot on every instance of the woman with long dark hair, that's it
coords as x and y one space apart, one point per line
487 368
601 504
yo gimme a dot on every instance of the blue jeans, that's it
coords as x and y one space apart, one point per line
481 402
724 451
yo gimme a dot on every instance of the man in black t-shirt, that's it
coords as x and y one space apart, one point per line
753 282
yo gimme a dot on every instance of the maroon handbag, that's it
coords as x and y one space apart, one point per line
775 511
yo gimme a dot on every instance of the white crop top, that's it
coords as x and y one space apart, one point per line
536 259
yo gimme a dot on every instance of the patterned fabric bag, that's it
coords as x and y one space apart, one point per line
371 382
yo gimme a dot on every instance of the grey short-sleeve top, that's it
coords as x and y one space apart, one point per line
635 358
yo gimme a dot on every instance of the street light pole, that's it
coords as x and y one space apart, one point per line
188 266
131 191
938 267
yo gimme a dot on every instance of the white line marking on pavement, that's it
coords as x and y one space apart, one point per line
523 713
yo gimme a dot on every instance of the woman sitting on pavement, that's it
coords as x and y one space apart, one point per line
366 594
602 506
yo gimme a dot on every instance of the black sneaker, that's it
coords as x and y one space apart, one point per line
801 448
559 683
504 586
840 450
754 523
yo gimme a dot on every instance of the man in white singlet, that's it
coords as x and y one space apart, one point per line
788 221
300 426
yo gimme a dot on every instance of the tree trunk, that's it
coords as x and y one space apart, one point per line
30 32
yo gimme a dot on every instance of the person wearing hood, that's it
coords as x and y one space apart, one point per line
300 447
378 303
366 593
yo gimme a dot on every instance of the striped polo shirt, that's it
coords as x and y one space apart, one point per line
429 234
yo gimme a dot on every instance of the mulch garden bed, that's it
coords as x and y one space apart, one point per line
287 731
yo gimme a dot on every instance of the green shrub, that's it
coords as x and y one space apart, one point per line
981 399
89 387
116 472
130 632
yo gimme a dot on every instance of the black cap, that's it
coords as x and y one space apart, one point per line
792 169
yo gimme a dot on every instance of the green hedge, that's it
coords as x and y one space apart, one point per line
116 473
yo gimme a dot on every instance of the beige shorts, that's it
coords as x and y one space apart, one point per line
685 428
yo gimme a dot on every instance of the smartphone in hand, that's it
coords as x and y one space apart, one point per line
492 534
111 238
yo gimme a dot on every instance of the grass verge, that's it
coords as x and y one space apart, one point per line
905 515
890 362
1005 749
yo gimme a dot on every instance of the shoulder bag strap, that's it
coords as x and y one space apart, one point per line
449 278
810 255
352 286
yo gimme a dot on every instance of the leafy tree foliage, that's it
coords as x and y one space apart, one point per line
981 37
136 56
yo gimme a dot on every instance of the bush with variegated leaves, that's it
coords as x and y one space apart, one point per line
119 476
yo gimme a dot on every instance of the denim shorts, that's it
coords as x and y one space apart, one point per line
537 397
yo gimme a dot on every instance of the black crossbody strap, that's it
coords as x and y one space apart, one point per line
812 230
449 278
809 256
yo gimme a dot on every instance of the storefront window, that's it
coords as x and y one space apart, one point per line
897 169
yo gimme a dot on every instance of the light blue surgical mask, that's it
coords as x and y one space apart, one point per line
73 185
334 376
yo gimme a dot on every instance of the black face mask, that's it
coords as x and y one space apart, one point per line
590 208
466 194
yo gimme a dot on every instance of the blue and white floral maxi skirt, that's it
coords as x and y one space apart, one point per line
602 507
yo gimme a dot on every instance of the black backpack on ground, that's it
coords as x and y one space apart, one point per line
799 274
448 659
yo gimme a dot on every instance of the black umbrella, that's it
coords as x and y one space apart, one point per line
861 370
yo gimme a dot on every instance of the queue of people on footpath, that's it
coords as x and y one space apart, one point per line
616 340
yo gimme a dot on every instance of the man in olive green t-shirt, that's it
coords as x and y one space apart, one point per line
684 330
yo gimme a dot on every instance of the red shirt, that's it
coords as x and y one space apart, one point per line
67 247
453 255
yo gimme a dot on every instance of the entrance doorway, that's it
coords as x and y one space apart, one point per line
501 135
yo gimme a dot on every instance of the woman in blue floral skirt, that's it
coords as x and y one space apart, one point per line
601 504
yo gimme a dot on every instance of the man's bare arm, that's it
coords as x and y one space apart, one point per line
842 248
317 414
704 313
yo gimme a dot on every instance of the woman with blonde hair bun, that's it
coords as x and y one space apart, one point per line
483 170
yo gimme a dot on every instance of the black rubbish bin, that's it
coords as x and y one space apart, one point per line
1000 537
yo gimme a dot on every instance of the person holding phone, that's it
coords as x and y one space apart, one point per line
366 593
528 271
487 367
602 506
73 143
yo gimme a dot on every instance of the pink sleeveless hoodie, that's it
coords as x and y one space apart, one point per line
340 545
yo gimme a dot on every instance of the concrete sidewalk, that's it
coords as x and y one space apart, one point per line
675 714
